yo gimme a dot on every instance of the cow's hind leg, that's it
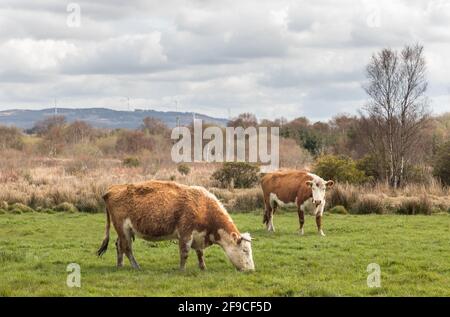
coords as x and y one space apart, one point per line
201 259
119 254
125 245
301 219
185 246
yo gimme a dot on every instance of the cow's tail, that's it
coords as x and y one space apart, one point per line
105 242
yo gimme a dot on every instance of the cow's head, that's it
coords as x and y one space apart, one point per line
239 251
318 188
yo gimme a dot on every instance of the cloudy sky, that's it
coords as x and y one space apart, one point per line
273 58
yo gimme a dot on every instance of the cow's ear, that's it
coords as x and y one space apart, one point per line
329 184
309 183
236 238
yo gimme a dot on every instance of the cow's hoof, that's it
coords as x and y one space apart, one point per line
302 232
321 233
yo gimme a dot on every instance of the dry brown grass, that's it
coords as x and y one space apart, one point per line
380 198
44 183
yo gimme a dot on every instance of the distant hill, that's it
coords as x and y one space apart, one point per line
102 117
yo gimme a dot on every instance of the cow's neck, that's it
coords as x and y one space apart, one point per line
223 235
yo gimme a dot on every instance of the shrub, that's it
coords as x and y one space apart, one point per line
339 168
81 165
369 165
236 175
133 142
172 178
441 164
10 138
66 207
247 201
369 204
341 210
4 205
183 169
417 174
89 205
339 196
131 162
414 206
19 208
107 144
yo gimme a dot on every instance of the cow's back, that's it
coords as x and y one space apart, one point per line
154 208
286 185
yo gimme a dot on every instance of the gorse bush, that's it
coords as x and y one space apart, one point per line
66 207
339 168
441 164
131 162
340 210
236 175
10 138
183 169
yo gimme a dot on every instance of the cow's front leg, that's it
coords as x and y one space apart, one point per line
201 259
319 214
185 247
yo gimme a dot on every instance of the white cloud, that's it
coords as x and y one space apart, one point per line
272 57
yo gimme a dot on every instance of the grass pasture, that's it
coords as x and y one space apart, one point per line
412 251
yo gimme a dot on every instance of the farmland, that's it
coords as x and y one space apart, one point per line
412 252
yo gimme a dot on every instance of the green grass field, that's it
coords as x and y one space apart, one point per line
412 251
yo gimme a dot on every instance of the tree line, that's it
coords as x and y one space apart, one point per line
394 138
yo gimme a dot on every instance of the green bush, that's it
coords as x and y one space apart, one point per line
339 168
369 165
131 162
66 207
441 164
236 175
340 210
4 205
183 169
19 208
11 138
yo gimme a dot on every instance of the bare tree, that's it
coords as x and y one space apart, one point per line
398 109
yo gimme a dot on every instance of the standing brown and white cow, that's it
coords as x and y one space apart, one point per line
159 210
292 187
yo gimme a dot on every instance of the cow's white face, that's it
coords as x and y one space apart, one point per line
239 252
318 188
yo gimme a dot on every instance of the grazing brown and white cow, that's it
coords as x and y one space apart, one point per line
292 187
159 210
